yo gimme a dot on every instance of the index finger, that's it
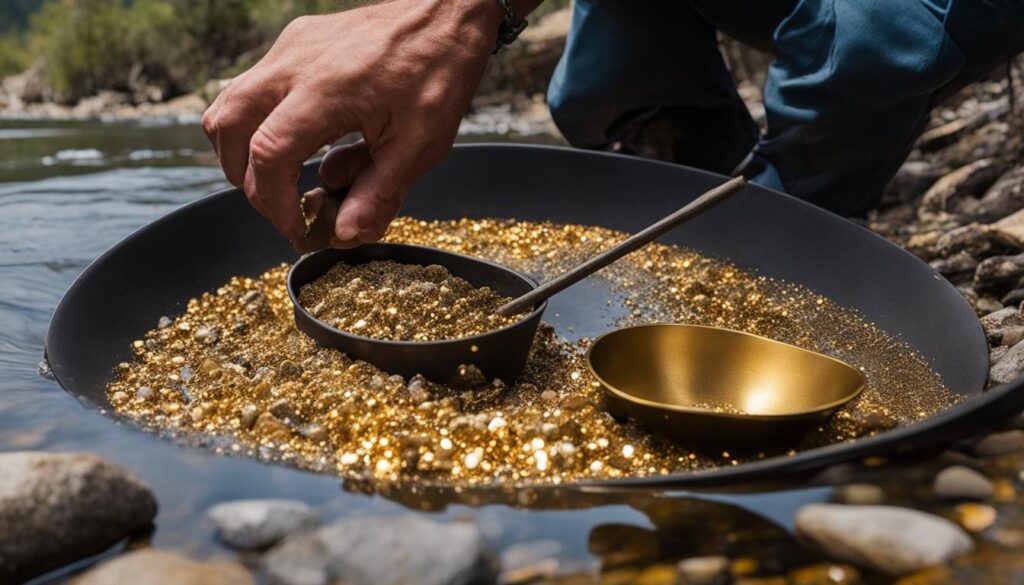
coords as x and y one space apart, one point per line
292 133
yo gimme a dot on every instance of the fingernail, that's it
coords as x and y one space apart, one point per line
369 236
346 233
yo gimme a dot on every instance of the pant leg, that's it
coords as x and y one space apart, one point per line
854 81
631 63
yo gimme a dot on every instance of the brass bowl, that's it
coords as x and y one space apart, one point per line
716 388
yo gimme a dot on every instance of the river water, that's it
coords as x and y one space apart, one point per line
70 190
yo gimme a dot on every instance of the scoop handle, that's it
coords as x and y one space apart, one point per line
631 244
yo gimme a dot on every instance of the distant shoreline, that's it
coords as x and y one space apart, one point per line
107 106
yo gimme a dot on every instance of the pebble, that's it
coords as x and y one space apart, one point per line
59 507
207 334
289 370
974 239
1004 197
702 570
268 426
955 192
975 517
144 392
313 431
824 575
955 265
959 482
996 323
885 538
1009 367
997 353
164 323
155 567
1000 443
659 574
258 524
417 389
248 414
998 274
1013 336
864 494
383 551
549 396
209 367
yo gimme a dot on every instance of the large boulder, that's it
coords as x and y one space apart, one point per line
884 538
56 508
383 551
154 567
256 524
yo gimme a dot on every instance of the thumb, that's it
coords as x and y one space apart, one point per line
375 198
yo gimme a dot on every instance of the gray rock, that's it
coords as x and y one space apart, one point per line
1009 367
1000 443
958 264
997 353
962 483
975 239
1015 296
154 567
860 494
884 538
60 507
995 324
383 551
957 192
987 304
1010 230
257 524
1005 197
998 274
1013 335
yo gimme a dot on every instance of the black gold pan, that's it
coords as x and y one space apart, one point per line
719 388
199 247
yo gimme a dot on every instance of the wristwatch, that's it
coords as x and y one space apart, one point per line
510 27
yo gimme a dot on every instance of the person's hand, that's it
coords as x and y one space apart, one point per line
402 73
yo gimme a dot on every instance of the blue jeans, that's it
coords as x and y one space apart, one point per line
847 95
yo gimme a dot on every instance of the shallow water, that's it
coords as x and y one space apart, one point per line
68 191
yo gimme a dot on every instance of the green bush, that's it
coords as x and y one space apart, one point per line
174 45
83 44
13 56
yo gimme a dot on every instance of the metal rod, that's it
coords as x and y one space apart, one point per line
631 244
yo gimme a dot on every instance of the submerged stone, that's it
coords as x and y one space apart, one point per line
383 551
885 538
155 567
258 524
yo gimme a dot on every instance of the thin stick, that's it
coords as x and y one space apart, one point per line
633 243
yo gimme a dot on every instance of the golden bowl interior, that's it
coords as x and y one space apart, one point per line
690 368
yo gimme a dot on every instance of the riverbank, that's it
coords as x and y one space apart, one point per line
510 98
